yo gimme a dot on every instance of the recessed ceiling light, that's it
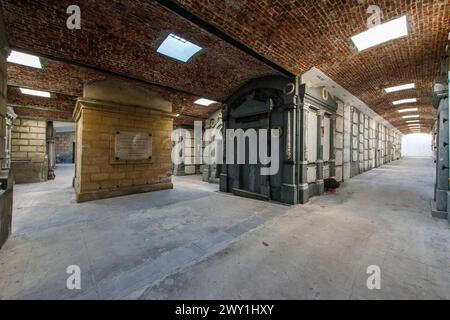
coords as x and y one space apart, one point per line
178 48
204 102
403 101
400 88
412 121
382 33
412 116
24 59
37 93
408 110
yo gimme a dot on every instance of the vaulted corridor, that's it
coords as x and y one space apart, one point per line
224 150
193 242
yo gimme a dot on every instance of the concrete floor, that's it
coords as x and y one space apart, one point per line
195 243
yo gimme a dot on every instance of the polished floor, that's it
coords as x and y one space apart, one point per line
193 242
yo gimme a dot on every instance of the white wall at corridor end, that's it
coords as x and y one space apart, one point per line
416 145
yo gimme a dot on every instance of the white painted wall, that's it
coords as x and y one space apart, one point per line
416 145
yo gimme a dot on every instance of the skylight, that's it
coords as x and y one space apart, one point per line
411 116
178 48
35 93
204 102
412 100
408 110
400 88
412 121
382 33
414 125
24 59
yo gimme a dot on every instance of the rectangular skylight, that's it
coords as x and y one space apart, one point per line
178 48
382 33
400 88
35 93
414 125
24 59
205 102
412 121
403 101
408 110
411 117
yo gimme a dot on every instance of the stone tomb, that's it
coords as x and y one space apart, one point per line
123 141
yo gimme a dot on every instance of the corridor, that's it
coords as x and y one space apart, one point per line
194 242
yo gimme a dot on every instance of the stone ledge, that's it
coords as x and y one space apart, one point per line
104 194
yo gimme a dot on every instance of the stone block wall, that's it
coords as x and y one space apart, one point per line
64 147
99 174
366 143
28 151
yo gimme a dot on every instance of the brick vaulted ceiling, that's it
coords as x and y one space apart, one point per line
117 39
118 36
299 35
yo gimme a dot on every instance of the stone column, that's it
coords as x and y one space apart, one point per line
319 166
51 150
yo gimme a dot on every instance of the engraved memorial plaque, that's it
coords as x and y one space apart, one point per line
133 145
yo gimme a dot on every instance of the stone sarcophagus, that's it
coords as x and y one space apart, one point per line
271 128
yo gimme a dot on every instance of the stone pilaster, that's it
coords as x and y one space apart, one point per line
289 192
332 147
319 165
302 163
